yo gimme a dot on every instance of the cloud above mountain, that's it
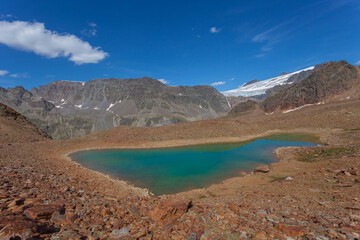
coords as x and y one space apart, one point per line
218 83
214 30
3 72
34 37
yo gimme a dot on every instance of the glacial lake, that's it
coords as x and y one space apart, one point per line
173 170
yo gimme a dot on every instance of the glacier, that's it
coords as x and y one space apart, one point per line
259 88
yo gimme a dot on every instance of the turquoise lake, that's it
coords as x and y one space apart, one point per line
172 170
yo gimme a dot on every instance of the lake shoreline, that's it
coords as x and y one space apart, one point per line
185 143
194 167
293 199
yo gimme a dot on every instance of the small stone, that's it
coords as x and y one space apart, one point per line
261 236
192 236
42 211
120 232
262 169
290 230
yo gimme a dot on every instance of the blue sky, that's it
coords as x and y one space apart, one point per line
185 42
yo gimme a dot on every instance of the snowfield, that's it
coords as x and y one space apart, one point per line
259 88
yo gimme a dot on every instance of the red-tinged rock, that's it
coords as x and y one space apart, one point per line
169 210
235 208
291 230
353 172
71 219
354 207
261 236
42 211
140 234
58 218
15 203
16 226
3 196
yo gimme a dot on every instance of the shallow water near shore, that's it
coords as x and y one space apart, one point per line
172 170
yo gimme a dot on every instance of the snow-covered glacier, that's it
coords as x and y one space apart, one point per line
259 88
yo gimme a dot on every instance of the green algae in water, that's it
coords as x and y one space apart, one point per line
172 170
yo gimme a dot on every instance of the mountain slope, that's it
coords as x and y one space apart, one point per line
247 106
138 102
257 88
68 109
330 79
326 81
15 128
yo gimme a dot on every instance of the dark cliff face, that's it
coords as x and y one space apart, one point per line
329 79
243 107
68 109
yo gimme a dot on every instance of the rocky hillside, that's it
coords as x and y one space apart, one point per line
259 90
247 106
68 109
15 128
331 79
328 80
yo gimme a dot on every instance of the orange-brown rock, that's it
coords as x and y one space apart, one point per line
169 210
291 231
42 211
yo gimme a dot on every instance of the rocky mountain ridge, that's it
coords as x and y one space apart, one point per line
256 89
326 81
67 109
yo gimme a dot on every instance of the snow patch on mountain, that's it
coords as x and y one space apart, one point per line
111 105
259 88
82 83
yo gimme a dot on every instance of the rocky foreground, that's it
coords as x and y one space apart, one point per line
48 197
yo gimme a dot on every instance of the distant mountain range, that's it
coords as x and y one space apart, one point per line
65 109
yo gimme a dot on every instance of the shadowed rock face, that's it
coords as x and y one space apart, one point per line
329 79
251 82
247 106
68 109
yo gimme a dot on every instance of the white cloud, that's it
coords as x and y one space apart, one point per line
163 81
232 79
260 55
33 37
214 30
358 62
92 24
218 83
20 75
90 32
3 72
